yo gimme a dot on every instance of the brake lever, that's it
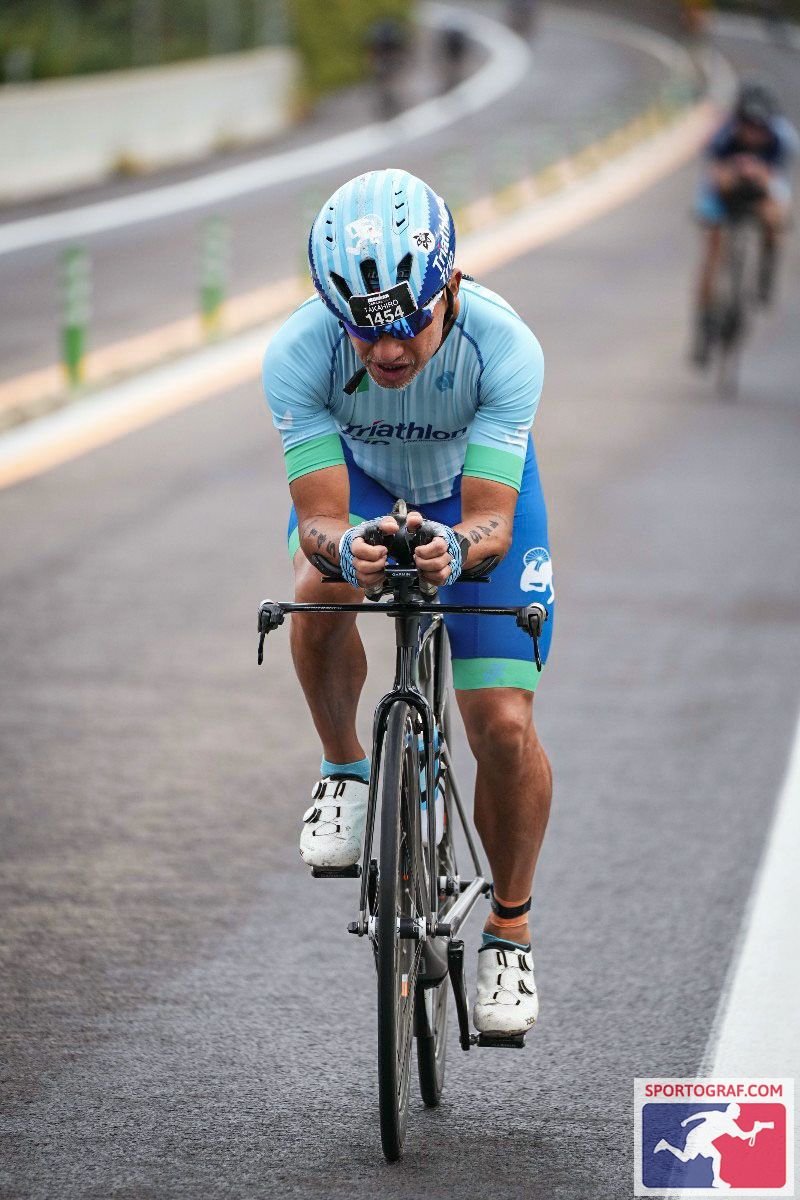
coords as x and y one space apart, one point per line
531 618
270 616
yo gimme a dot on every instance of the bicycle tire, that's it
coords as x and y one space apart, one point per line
733 317
432 1043
397 959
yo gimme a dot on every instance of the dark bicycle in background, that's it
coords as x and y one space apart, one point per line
413 899
745 280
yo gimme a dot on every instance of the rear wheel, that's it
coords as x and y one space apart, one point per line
397 957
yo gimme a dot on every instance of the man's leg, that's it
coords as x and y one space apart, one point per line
664 1145
712 257
772 216
716 1163
707 284
512 792
330 662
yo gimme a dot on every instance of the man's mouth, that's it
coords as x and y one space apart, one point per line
389 371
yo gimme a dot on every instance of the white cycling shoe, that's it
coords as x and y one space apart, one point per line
506 1001
333 827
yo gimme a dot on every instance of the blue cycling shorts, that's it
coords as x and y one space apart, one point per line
487 651
709 206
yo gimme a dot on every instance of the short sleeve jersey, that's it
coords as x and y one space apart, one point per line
469 410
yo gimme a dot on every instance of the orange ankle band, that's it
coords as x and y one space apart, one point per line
508 922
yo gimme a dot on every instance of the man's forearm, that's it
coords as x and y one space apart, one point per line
488 533
321 535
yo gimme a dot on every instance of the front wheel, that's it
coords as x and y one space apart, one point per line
432 1041
397 957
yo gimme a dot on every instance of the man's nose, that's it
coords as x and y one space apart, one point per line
391 348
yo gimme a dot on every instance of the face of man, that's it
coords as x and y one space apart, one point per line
392 362
753 134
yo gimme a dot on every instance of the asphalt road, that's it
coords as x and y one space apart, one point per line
146 275
182 1011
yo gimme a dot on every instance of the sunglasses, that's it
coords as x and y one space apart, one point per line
411 323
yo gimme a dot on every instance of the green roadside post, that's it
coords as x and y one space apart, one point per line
213 273
76 291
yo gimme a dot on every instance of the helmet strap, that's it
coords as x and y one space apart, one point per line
449 317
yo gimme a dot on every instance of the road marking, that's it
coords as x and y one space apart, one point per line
618 181
755 1030
508 64
39 391
87 425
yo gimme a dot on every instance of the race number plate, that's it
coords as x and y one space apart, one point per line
382 308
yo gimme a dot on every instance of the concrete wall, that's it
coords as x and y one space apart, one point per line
62 134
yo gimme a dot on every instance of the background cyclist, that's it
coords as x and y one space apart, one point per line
746 166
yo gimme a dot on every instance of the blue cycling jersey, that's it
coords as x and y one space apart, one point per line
469 410
777 152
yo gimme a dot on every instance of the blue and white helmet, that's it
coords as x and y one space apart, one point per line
381 249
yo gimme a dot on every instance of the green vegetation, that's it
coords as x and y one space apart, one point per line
331 36
40 39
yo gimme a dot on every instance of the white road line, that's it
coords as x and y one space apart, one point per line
507 65
756 1031
106 416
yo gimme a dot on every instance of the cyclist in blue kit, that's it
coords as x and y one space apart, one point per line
404 378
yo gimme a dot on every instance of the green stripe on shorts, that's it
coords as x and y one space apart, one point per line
470 674
294 536
484 462
325 451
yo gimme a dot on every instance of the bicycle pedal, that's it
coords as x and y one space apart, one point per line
515 1041
353 872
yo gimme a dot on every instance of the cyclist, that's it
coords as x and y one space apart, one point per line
403 377
747 164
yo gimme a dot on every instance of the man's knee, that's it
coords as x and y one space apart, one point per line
320 628
499 722
773 215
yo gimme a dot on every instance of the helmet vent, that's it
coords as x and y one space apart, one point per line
404 268
369 273
400 210
341 285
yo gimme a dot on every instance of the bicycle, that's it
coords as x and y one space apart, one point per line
742 275
413 900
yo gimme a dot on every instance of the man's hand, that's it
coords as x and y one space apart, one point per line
432 560
370 561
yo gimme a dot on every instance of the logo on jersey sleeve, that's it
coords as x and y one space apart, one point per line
537 573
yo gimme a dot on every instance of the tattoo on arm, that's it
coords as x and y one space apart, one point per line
479 532
324 540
